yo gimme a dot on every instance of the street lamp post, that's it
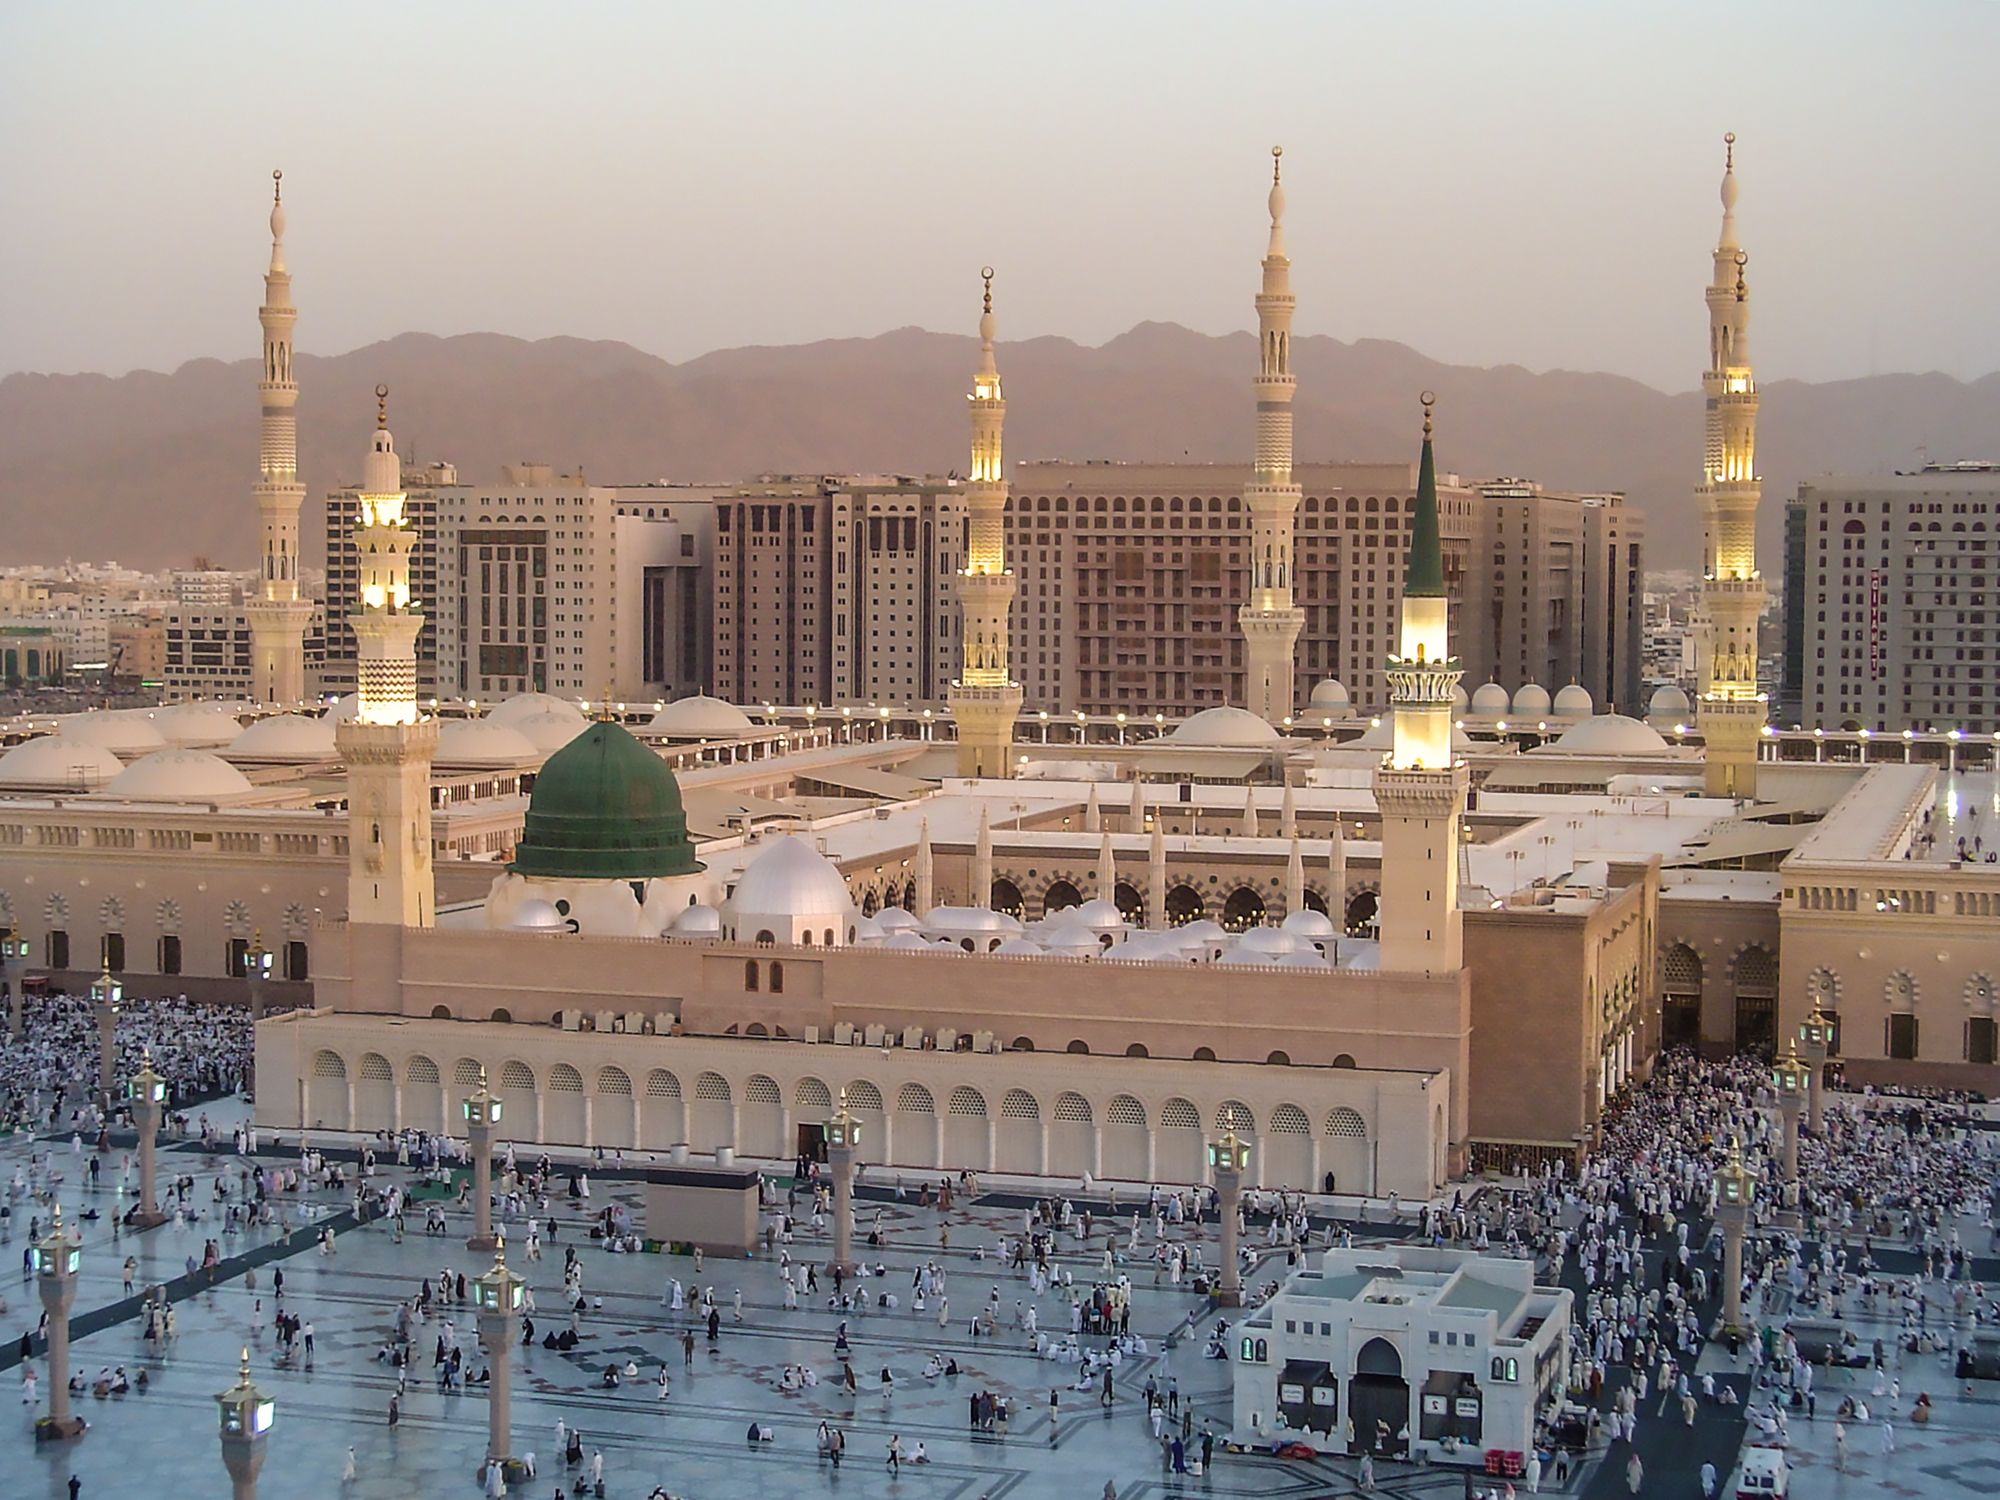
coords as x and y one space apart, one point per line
1735 1188
107 998
14 961
498 1297
246 1425
257 969
1816 1045
147 1092
1228 1158
1790 1079
57 1260
482 1114
843 1138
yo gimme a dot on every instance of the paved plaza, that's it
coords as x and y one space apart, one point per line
693 1443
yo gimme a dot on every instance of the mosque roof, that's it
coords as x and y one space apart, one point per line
522 705
1610 734
546 729
285 737
701 717
482 742
123 734
790 878
200 724
58 761
178 776
1224 726
605 808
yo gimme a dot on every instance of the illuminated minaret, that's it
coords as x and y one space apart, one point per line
986 700
1270 621
278 616
1728 709
386 745
1420 787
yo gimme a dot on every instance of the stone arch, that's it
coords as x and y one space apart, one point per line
328 1104
864 1102
1755 985
1287 1150
1178 1148
1072 1136
1345 1060
1080 1049
1315 901
662 1113
1279 1059
1346 1154
1204 1054
760 1122
424 1106
467 1073
563 1112
914 1098
1680 990
919 1132
1242 909
1005 896
440 1012
520 1102
712 1113
1137 1049
1363 908
812 1094
168 916
1060 895
1184 905
1131 904
1126 1147
967 1142
375 1092
1234 1114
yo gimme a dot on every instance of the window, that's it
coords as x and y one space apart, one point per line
114 952
1982 1045
777 977
237 960
170 954
750 975
58 949
295 961
1903 1038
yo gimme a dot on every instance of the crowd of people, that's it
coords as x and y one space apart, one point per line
49 1074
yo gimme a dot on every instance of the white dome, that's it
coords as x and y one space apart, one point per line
58 762
179 776
867 931
1225 727
696 921
1610 734
969 919
1458 699
1019 947
702 718
908 941
1531 698
285 737
1331 695
1097 913
1203 930
1668 702
1270 940
790 878
538 915
124 735
1573 702
199 725
1074 942
1309 924
482 742
1305 958
1489 701
895 919
1144 949
523 705
547 729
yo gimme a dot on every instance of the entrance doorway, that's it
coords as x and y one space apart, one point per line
812 1142
1378 1402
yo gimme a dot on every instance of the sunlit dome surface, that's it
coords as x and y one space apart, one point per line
521 705
291 737
482 742
179 776
548 729
1330 695
1224 727
200 725
790 878
1574 702
1490 700
124 735
1610 734
58 763
702 718
1668 702
1531 698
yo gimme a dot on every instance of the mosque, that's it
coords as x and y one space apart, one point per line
1387 945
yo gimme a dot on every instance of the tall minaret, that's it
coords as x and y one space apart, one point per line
986 700
386 745
278 616
1270 621
1729 710
1420 787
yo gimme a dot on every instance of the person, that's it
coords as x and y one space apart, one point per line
1708 1481
895 1453
1839 1447
1888 1436
1635 1474
1533 1473
348 1470
1367 1471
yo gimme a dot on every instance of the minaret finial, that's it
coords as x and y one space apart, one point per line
1277 156
1729 151
1429 398
277 185
381 408
986 276
1742 260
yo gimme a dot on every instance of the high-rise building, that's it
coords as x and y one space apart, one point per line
1269 618
278 616
1730 709
1790 702
985 698
1899 600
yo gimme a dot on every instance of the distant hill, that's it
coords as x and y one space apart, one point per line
156 469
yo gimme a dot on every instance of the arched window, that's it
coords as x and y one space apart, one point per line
750 975
777 977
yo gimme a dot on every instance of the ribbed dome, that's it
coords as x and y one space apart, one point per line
179 776
1668 702
123 734
482 742
58 762
790 878
1573 702
1610 734
1330 695
605 808
200 725
1531 698
547 729
1224 727
291 737
701 718
523 705
1490 701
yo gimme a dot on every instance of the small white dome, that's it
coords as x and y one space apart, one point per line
895 919
547 729
202 724
1610 734
57 762
124 735
1270 940
1143 949
179 776
1313 926
1531 698
1074 942
702 718
696 921
1458 699
523 705
482 742
1099 914
907 941
1490 701
867 931
1019 947
1573 702
1203 930
789 878
1305 958
967 919
537 915
1225 727
290 737
1669 702
1330 696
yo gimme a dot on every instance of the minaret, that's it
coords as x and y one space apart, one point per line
1270 621
986 700
926 873
278 616
1420 788
1295 878
1729 709
1136 816
981 896
1336 878
1250 827
1156 878
1288 813
1107 868
1093 815
386 746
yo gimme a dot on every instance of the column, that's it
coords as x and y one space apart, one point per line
1227 1159
841 1160
148 1094
56 1259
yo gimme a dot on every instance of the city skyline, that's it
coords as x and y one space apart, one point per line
503 228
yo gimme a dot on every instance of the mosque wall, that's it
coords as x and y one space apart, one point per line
1120 1118
1719 972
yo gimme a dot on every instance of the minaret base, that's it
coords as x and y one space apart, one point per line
1421 812
1731 729
278 650
1270 665
986 717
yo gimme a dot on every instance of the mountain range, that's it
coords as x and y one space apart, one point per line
156 469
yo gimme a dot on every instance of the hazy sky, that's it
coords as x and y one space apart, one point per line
1501 182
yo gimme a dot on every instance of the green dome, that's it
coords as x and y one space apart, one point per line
605 808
